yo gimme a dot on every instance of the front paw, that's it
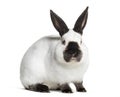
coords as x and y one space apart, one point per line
65 88
80 87
81 90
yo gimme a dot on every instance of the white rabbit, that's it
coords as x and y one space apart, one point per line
57 62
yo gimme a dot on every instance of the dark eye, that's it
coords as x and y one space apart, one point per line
80 42
63 42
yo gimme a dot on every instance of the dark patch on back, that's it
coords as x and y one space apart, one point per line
53 38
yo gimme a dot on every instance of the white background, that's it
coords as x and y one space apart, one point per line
22 22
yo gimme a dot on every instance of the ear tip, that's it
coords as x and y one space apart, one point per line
51 11
87 8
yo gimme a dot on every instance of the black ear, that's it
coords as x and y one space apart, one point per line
81 22
58 23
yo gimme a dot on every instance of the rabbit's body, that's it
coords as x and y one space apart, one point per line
39 65
53 62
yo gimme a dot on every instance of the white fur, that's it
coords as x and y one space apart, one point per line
73 88
44 62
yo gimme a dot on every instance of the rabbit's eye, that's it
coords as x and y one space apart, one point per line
63 42
80 42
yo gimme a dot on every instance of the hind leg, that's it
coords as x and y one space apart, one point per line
38 88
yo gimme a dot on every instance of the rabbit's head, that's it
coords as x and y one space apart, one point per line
69 47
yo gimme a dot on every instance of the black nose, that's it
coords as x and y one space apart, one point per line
73 52
72 45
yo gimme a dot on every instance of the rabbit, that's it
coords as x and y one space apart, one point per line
57 62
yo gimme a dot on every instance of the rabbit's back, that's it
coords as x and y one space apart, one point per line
33 68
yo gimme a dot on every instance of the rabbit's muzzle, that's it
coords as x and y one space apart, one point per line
72 52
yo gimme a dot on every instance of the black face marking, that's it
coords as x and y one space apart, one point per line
65 88
72 51
80 87
38 88
72 45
